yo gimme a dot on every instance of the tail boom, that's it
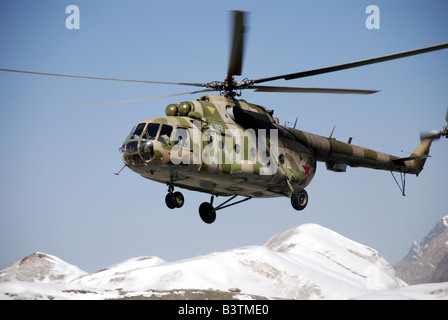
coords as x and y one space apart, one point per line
337 155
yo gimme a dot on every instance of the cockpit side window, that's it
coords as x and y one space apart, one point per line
165 134
151 131
138 131
182 138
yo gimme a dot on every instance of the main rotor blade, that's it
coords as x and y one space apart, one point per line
98 78
353 64
446 116
311 90
137 100
236 53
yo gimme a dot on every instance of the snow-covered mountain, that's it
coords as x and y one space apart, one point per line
305 262
418 248
42 268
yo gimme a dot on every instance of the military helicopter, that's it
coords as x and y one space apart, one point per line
225 146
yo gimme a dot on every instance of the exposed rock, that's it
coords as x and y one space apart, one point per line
427 261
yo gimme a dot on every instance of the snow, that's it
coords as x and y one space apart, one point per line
41 267
445 221
427 291
305 262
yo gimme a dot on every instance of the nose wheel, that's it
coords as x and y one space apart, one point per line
174 199
207 211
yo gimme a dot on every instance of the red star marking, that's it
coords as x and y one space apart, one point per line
307 169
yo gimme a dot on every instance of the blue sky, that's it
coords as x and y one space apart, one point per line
58 193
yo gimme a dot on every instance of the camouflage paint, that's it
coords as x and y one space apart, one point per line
223 155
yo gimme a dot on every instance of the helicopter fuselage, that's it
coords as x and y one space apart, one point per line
200 146
227 147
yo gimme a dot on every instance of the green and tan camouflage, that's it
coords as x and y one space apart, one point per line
225 147
222 156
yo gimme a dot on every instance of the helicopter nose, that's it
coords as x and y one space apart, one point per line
147 150
134 152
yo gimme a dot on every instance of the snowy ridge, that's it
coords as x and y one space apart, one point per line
445 221
305 262
41 267
427 261
418 248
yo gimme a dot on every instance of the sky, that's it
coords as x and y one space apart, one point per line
58 191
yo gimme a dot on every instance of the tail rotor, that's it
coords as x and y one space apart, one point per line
435 134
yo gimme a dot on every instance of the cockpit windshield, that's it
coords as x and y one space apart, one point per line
139 145
138 131
151 131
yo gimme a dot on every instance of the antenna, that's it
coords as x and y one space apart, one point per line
331 134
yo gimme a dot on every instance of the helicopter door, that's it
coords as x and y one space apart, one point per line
210 150
181 151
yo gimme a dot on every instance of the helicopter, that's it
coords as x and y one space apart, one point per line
224 146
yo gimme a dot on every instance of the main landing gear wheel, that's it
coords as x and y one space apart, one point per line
299 199
174 200
207 212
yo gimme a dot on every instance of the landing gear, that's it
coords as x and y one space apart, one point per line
208 213
174 199
299 199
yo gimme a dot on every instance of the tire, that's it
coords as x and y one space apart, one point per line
299 199
207 212
178 199
170 201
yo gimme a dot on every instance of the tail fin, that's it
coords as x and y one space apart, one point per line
421 153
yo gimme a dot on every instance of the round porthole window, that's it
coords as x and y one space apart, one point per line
253 153
237 148
281 158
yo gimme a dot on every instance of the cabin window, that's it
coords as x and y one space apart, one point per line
151 131
237 148
182 138
281 158
253 152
